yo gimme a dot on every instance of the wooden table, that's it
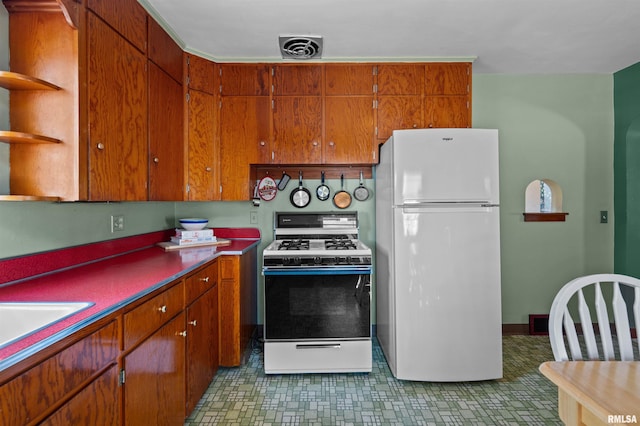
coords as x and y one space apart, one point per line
596 392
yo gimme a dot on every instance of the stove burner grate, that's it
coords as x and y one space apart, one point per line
339 244
296 244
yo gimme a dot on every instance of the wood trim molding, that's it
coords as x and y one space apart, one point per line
70 8
545 217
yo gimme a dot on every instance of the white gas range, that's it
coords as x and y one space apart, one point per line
317 295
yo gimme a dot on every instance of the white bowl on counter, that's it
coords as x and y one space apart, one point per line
193 223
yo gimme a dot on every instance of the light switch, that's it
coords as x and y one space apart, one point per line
604 216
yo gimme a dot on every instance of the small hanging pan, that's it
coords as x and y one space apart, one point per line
361 193
342 199
322 191
300 197
284 180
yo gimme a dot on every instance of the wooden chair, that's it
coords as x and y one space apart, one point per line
560 318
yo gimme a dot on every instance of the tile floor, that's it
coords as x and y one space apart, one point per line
246 396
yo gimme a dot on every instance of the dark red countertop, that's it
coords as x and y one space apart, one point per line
107 278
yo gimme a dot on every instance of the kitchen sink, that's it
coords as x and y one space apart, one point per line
19 319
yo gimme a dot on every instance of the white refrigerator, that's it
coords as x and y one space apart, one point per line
438 306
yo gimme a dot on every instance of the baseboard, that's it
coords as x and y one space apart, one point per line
515 329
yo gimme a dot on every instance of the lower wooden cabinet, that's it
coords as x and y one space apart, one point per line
61 381
149 363
237 298
201 292
95 405
154 378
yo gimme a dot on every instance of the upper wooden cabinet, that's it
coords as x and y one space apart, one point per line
447 79
244 79
411 96
117 116
349 79
400 79
199 74
164 51
127 17
297 80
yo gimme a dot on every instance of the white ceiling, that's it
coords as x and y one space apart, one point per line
501 36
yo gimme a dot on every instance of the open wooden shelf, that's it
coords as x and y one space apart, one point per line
20 137
545 217
14 81
27 198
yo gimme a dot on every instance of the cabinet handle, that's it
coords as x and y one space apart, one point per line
193 323
156 160
430 125
262 143
415 126
205 279
331 143
208 169
100 146
163 308
182 333
315 143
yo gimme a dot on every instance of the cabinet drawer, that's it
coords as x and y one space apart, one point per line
26 398
200 282
148 317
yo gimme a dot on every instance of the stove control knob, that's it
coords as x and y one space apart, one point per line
296 261
317 260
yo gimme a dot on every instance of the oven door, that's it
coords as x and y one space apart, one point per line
317 303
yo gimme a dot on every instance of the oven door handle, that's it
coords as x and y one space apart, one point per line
318 346
334 270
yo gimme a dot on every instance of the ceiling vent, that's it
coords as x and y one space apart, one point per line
300 47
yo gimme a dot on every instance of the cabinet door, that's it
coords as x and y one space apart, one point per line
117 89
202 346
297 80
349 79
297 130
166 143
398 112
164 51
400 79
349 130
97 404
201 147
200 74
244 80
244 140
155 378
125 16
447 78
447 111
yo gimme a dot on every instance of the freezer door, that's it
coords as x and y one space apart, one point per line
445 165
447 287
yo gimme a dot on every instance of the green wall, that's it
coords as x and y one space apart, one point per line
557 127
627 166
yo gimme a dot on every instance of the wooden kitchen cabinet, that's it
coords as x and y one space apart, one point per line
297 80
237 294
201 130
447 95
427 95
202 353
154 377
167 153
244 79
349 114
164 51
297 130
244 140
66 381
154 359
127 17
117 114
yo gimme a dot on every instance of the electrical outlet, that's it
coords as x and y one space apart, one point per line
117 223
253 217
